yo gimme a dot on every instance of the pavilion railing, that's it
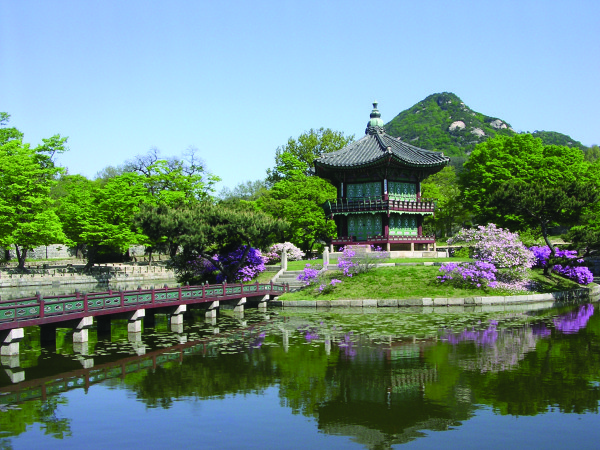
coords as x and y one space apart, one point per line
381 203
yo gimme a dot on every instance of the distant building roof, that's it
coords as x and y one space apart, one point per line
377 147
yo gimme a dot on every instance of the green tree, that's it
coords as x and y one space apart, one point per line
8 133
205 230
248 190
544 206
298 200
592 154
26 208
521 159
450 212
309 145
99 215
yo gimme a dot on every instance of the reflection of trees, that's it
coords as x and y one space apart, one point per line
493 350
205 377
525 375
13 422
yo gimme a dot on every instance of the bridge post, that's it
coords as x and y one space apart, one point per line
239 305
263 302
212 310
177 314
10 341
80 330
134 324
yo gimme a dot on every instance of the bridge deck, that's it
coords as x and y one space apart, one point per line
38 311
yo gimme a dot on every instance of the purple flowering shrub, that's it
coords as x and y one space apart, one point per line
352 262
309 275
499 247
478 274
276 250
327 288
205 270
565 263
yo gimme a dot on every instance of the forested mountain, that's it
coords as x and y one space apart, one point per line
442 122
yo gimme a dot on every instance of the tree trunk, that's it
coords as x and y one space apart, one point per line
548 267
92 252
21 255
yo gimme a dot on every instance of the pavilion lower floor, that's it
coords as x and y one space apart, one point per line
415 243
403 232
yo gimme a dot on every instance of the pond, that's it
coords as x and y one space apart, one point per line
291 379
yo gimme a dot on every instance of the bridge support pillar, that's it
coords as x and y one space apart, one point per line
263 302
80 330
177 315
134 324
239 305
10 341
12 367
212 310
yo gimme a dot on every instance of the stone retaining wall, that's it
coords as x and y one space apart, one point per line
575 294
56 277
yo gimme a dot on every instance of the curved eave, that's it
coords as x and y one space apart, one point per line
382 160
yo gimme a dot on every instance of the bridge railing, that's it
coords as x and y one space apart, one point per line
13 313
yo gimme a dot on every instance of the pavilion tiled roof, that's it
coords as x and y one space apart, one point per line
377 145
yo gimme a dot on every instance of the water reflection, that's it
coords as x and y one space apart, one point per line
368 377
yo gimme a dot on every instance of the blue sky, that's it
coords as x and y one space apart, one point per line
236 79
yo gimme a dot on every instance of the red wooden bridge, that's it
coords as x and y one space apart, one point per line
78 310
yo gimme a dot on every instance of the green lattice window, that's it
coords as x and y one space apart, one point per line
402 191
403 225
363 225
363 190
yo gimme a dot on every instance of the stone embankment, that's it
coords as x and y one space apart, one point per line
592 292
58 275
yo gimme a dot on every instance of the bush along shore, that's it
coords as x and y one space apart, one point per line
502 271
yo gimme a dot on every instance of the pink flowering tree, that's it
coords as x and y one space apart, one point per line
499 247
276 250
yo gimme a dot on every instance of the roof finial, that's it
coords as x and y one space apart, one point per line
375 125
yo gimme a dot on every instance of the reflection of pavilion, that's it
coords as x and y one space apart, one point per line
381 399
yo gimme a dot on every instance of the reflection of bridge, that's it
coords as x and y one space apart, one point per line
78 310
92 374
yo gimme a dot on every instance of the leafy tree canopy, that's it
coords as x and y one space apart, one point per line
298 200
450 212
309 145
99 215
205 230
522 159
27 217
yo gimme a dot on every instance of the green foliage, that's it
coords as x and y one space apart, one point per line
521 158
592 154
298 199
205 230
248 190
309 145
450 213
544 206
99 215
429 125
27 217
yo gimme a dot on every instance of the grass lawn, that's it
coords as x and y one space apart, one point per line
299 265
407 282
